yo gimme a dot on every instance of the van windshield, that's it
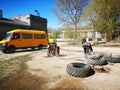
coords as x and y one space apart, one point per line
7 36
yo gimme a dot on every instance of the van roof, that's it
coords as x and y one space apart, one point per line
26 30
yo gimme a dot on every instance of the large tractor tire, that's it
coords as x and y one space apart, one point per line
116 60
79 70
97 60
113 59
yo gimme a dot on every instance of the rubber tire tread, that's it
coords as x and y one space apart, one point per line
115 60
82 70
101 61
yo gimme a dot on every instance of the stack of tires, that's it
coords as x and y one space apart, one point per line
102 59
85 70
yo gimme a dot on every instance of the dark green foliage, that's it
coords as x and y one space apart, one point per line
105 15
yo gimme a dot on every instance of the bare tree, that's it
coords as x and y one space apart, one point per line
70 11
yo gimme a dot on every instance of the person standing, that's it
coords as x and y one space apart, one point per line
87 47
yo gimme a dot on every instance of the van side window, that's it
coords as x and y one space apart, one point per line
39 36
27 36
42 36
16 36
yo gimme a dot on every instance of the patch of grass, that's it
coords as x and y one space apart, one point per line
13 65
14 75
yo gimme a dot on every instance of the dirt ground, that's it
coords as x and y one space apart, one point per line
49 73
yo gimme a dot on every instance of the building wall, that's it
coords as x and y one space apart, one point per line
7 27
88 34
35 22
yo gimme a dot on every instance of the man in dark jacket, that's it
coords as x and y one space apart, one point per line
87 47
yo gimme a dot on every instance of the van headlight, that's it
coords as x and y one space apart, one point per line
4 44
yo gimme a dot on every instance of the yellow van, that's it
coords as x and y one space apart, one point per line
21 38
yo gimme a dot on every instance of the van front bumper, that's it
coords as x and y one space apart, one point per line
2 47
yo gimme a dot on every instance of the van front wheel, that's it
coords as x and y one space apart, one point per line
11 49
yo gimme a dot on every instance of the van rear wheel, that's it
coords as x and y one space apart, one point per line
33 48
40 47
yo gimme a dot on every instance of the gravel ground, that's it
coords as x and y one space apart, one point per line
54 69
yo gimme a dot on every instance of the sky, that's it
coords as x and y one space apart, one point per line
11 8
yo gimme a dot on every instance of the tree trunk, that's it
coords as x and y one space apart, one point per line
75 36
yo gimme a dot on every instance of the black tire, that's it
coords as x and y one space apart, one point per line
48 52
33 48
79 70
4 51
11 49
111 59
97 60
40 47
114 60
